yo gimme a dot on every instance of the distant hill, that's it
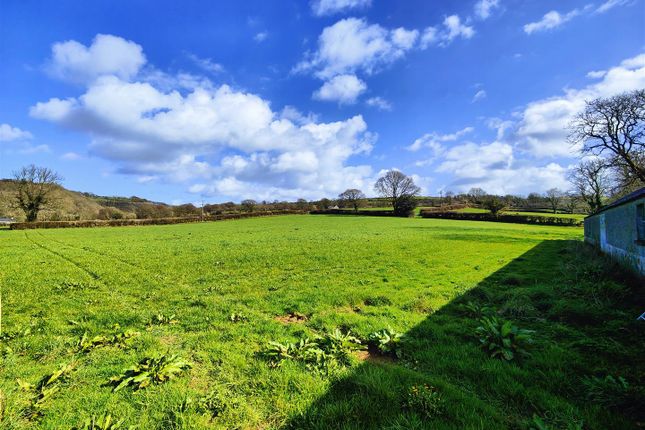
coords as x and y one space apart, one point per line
74 205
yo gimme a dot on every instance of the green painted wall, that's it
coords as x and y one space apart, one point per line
614 231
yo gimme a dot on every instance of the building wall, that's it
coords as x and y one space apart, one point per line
614 232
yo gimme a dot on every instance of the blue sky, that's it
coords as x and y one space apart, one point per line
180 101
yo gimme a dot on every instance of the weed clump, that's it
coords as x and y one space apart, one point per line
424 400
323 353
104 422
44 390
502 339
150 370
119 339
386 342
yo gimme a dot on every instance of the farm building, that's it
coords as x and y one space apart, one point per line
619 230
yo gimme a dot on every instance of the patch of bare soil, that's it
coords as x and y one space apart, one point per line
372 355
293 317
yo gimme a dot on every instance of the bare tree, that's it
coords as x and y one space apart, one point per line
554 197
476 195
248 205
399 189
614 127
34 188
591 182
352 197
571 203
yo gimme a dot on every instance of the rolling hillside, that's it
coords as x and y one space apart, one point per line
69 205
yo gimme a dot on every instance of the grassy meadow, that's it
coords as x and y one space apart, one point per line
215 294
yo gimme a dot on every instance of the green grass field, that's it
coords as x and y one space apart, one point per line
353 273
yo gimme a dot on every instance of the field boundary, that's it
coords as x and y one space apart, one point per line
516 219
140 222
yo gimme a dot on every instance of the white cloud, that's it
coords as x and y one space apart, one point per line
74 62
596 74
352 45
550 20
9 133
456 28
542 128
479 95
433 140
483 8
232 142
610 4
71 156
330 7
499 125
261 36
452 29
379 103
343 89
206 64
493 167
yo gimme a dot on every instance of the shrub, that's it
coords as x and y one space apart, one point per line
405 206
501 339
516 219
424 400
150 370
494 204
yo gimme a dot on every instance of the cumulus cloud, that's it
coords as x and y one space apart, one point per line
10 134
330 7
343 89
542 128
379 102
484 8
230 141
550 20
493 167
352 45
434 141
479 95
74 62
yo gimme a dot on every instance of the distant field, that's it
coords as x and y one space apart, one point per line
226 289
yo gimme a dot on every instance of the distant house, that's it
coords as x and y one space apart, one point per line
5 221
619 230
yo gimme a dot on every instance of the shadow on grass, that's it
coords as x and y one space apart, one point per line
537 291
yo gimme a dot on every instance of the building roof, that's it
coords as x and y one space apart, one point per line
638 194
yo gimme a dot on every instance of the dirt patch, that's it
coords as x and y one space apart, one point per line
293 317
373 356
